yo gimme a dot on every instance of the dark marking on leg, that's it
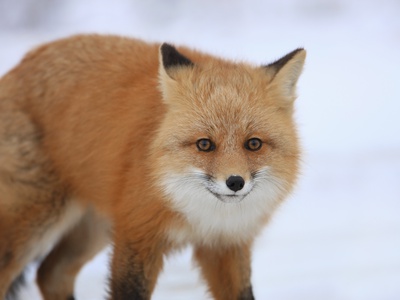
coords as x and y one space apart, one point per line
131 283
246 294
132 286
71 297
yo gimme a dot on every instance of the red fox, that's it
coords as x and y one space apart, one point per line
150 147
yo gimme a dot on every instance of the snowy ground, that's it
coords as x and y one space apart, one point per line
338 236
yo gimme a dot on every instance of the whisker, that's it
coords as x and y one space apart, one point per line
263 176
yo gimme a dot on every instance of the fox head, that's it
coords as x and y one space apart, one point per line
227 148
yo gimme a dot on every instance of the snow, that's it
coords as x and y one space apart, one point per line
338 235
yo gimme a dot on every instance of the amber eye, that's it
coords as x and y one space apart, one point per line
205 145
253 144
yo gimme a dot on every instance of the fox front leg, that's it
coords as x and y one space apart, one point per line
227 271
139 247
134 271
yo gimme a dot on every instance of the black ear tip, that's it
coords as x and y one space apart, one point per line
298 50
167 48
172 58
294 52
278 64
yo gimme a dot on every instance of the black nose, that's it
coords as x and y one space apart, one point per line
235 183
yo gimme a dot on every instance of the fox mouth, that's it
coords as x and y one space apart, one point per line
228 198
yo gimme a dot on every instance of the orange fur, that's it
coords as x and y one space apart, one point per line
97 130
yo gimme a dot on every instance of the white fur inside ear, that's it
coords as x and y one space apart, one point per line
288 75
166 83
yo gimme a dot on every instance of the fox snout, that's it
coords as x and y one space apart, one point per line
235 183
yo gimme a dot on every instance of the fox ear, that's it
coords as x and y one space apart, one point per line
171 62
286 71
171 59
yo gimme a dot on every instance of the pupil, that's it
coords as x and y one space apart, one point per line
204 144
254 144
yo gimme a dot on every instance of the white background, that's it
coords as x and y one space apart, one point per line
338 235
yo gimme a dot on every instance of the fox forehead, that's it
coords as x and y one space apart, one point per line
227 99
225 118
224 85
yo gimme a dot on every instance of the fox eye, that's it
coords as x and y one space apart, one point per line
205 145
253 144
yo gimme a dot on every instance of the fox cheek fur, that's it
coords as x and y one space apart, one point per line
108 138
